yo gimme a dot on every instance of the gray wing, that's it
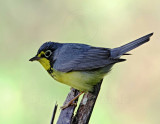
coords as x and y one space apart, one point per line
75 57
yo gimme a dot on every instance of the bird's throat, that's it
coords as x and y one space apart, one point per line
45 63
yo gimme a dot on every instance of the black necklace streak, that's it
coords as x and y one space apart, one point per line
50 70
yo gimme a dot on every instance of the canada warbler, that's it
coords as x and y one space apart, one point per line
79 65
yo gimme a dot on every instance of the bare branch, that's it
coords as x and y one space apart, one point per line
67 114
54 113
86 106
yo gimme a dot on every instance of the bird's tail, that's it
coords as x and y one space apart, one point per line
117 52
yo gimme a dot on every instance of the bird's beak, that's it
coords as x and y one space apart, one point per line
35 58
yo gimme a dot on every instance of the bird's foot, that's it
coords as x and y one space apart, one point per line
67 105
71 102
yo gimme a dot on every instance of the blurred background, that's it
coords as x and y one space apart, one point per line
130 94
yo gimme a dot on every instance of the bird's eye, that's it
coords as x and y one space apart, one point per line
48 53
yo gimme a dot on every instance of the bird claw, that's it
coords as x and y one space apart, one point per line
67 105
74 104
71 102
63 107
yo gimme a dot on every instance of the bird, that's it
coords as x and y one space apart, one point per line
82 66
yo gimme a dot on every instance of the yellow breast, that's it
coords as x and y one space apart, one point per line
83 81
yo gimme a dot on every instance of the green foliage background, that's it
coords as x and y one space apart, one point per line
130 94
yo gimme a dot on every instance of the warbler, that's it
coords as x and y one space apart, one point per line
81 66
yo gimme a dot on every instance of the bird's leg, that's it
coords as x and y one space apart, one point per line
71 102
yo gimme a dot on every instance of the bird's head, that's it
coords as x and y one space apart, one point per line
45 54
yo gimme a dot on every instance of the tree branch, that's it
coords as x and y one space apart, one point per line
67 114
54 113
85 108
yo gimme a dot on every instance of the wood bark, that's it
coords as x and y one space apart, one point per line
85 108
66 115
